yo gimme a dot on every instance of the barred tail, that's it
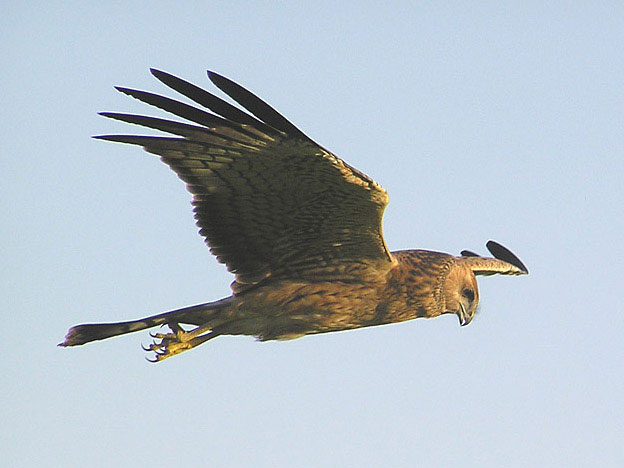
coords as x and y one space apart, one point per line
198 314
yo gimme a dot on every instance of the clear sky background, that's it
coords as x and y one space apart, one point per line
502 120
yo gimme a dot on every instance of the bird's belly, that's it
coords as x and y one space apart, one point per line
288 310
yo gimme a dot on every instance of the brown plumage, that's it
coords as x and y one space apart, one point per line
299 228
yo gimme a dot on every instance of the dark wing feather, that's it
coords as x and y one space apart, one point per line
255 105
269 201
468 253
504 262
209 101
503 253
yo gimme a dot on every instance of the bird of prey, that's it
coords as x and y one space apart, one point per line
298 227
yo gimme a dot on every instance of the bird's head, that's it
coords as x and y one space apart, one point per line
461 293
460 290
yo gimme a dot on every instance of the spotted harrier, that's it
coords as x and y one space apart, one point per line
298 227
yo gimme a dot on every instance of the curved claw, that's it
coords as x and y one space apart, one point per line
151 348
166 345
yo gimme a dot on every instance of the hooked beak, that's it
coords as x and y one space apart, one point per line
464 317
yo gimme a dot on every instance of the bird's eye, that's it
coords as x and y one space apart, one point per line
468 293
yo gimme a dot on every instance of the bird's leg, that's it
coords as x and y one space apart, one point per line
169 344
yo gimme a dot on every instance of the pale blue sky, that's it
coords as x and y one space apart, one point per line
502 120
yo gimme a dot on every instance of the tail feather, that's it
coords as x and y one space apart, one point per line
196 315
81 334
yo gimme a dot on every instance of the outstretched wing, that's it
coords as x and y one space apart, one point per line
268 200
503 263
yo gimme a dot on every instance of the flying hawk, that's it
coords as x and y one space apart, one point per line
298 227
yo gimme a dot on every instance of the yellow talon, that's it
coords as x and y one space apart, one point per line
169 344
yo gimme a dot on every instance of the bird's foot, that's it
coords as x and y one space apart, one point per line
169 344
